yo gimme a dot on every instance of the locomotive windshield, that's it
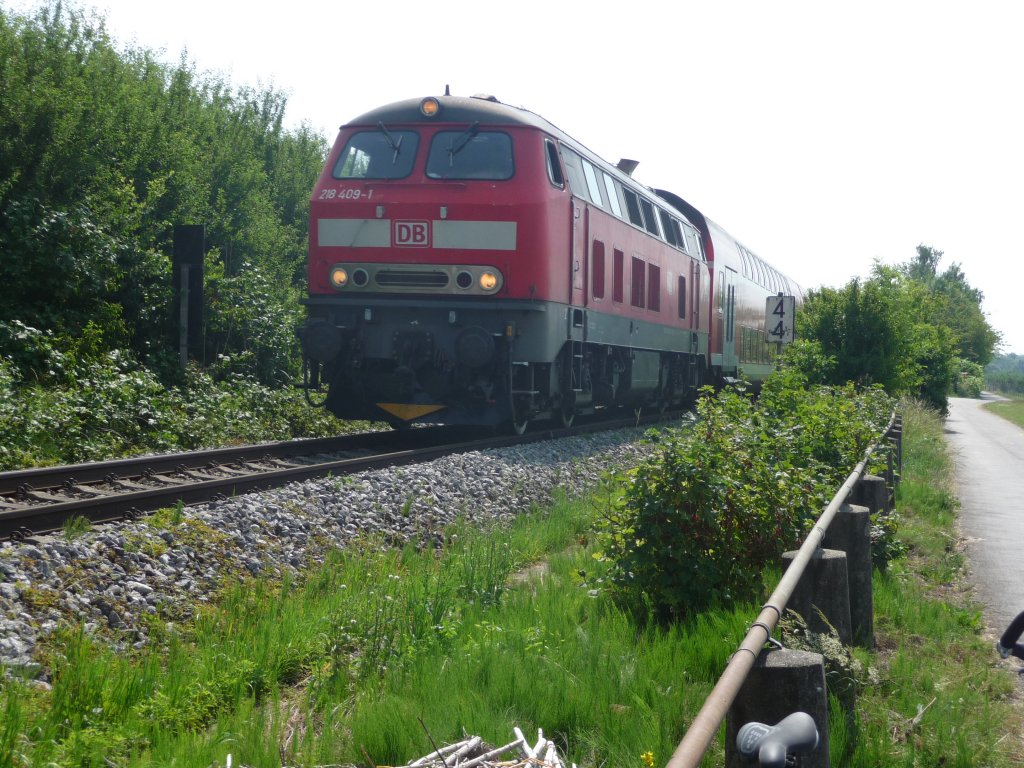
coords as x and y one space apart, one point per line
470 154
380 154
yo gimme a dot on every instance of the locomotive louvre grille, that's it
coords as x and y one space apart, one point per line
410 278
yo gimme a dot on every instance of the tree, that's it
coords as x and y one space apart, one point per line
102 151
874 331
956 305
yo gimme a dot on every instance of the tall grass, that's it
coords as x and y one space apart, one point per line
1012 410
502 627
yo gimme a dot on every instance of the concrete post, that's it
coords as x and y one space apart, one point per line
850 532
823 587
871 492
780 683
896 440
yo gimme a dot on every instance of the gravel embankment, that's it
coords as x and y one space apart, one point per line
110 577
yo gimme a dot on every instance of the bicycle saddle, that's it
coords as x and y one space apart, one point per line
770 744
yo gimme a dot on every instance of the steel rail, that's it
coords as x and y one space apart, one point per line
175 485
95 471
702 730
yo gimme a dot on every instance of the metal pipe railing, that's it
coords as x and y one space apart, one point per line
702 730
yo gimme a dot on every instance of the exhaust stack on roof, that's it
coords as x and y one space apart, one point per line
627 166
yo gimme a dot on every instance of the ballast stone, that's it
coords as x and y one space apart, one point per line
108 578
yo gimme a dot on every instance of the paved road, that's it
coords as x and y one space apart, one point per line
989 456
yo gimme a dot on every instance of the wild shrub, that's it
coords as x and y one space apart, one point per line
695 525
92 408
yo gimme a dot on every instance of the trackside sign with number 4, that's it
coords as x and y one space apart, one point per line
779 318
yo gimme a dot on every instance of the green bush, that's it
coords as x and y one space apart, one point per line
969 378
90 409
696 524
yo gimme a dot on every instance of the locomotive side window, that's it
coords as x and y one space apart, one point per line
681 234
673 229
654 288
598 269
554 167
592 186
633 207
378 154
470 154
613 198
637 287
650 221
574 170
667 228
619 267
699 247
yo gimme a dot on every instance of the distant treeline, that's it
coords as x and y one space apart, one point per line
1006 374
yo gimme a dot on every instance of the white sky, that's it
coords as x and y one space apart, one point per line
822 135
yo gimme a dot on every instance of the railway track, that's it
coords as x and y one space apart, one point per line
41 500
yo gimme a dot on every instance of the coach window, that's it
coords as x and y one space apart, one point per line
470 154
654 287
617 290
613 198
380 154
554 166
597 267
650 221
592 186
682 297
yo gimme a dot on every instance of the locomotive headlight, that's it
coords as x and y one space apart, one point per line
488 281
429 107
339 277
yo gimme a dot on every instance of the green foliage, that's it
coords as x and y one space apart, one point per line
102 151
886 546
696 525
808 358
969 379
908 329
82 407
957 305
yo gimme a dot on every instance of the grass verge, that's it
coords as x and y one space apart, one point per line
344 666
1011 410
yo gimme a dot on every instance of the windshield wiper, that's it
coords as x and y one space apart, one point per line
459 142
395 145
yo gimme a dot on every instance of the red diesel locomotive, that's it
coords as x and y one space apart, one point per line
470 263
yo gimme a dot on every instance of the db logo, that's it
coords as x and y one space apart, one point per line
411 234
